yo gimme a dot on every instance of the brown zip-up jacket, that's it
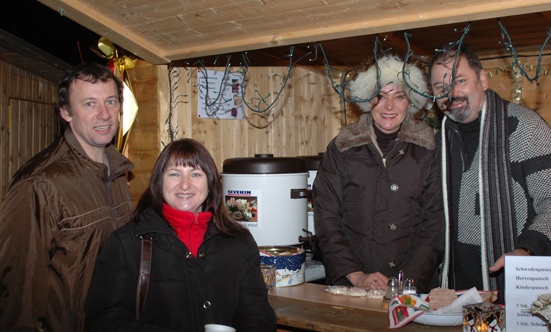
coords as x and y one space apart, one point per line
59 210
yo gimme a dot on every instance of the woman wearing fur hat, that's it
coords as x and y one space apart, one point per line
377 194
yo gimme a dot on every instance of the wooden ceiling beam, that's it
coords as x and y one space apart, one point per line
393 40
547 15
238 37
440 15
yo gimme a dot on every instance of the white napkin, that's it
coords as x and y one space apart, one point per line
456 307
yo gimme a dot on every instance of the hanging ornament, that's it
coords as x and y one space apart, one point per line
519 88
111 65
119 65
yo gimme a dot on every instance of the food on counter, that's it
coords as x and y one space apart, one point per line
341 290
375 294
441 297
355 292
488 296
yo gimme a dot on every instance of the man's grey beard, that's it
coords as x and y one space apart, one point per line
459 114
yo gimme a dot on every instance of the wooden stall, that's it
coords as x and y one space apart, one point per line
306 117
28 93
309 112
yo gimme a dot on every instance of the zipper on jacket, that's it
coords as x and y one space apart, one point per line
195 222
461 148
110 192
388 154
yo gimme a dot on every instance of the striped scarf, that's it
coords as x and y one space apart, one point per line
498 223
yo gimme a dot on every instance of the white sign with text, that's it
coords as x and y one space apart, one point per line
525 278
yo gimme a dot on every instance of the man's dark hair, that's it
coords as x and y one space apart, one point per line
89 72
447 53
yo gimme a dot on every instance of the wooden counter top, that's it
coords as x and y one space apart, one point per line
310 311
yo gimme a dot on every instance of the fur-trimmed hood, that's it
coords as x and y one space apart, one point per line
361 132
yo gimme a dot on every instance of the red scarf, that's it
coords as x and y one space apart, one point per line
189 227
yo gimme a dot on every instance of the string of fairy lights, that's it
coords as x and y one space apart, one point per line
517 76
263 104
173 80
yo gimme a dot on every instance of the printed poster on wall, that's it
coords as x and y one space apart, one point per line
224 99
243 205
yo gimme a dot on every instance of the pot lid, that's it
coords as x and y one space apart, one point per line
264 164
312 162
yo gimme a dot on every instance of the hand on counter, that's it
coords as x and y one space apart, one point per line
500 263
371 281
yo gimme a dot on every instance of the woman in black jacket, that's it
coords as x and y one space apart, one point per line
378 204
205 267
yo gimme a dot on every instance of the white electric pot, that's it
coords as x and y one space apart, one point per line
269 196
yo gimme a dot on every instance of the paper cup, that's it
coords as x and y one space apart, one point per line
218 328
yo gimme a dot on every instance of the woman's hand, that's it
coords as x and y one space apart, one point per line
371 281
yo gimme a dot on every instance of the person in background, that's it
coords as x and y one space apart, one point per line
60 208
497 174
205 267
377 193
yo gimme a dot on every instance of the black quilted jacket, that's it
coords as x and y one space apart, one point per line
223 285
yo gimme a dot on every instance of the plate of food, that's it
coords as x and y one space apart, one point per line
434 319
440 298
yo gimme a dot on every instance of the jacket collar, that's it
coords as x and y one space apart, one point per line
361 133
150 222
118 163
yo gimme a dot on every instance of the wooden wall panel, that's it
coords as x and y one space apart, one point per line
538 97
305 118
35 146
15 92
279 133
532 95
28 121
28 148
4 141
148 115
260 138
145 91
144 140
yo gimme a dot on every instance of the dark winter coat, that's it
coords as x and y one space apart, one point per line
223 285
373 217
58 213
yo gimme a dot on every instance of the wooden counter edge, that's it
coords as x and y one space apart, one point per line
322 317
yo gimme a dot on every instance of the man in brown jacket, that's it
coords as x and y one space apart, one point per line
60 208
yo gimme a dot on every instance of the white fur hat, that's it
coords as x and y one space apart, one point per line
365 84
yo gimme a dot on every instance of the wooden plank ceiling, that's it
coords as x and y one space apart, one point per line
161 31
